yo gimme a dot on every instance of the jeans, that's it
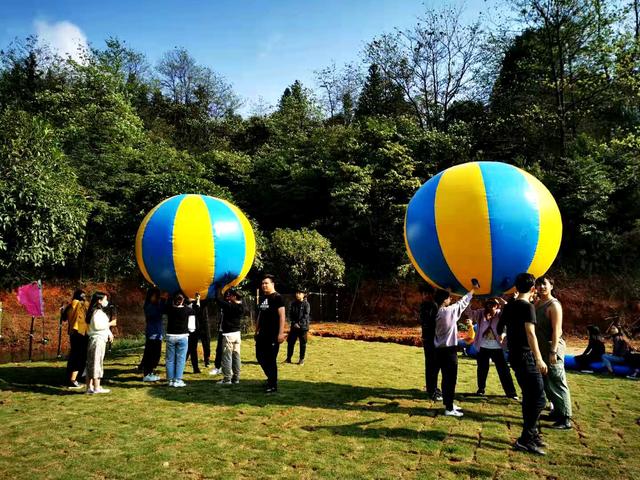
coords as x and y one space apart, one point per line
533 400
609 360
447 358
267 355
151 355
557 389
497 355
294 334
431 367
231 356
176 356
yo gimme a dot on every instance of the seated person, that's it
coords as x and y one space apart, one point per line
593 352
621 348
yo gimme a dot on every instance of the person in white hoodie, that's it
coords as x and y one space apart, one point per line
446 343
99 334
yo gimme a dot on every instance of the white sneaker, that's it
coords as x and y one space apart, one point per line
150 378
215 371
179 384
456 408
224 382
170 382
453 413
102 390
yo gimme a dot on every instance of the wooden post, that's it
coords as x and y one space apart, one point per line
33 319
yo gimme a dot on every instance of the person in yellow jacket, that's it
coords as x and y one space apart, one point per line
75 314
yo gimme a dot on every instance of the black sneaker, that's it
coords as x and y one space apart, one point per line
436 397
74 384
288 360
564 424
530 447
480 393
538 441
301 362
197 370
271 390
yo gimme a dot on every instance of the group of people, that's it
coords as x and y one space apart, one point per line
187 323
530 330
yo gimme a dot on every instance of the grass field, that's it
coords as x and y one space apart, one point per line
355 410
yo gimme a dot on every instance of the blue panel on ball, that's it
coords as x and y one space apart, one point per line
157 245
228 242
514 220
422 236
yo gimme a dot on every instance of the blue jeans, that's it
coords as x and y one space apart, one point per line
176 356
610 360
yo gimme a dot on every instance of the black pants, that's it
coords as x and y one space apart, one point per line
151 355
267 355
192 350
294 334
447 358
431 367
217 362
584 362
77 353
497 355
205 338
533 399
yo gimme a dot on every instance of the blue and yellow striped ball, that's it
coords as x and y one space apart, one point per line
193 243
484 220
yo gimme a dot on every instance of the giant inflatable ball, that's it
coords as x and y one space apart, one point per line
195 243
484 220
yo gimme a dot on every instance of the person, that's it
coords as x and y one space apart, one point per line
552 348
194 335
593 352
519 316
99 333
269 331
217 361
467 337
446 344
233 311
427 319
76 314
489 344
204 334
621 348
299 317
154 309
177 339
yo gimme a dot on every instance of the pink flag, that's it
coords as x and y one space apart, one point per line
30 296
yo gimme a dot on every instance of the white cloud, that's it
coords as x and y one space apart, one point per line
64 38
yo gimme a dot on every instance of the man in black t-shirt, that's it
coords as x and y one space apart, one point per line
519 316
269 331
427 318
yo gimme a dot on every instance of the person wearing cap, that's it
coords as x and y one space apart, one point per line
593 352
299 317
232 313
489 343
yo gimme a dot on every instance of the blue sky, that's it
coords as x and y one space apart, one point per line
260 46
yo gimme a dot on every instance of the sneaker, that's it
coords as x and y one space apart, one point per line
530 447
150 378
480 393
564 424
224 381
170 383
206 364
215 371
90 391
288 360
271 390
102 390
453 413
514 397
235 381
539 442
179 384
196 370
74 384
301 362
456 408
436 397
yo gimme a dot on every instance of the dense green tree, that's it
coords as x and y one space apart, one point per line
43 211
380 96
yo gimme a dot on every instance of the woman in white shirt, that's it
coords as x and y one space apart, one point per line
99 334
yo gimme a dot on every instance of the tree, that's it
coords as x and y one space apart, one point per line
380 96
43 212
339 87
433 63
303 258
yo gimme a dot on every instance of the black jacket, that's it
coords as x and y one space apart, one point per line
232 313
300 313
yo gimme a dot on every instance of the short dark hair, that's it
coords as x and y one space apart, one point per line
540 280
427 288
440 296
268 276
524 282
301 290
490 301
234 292
178 299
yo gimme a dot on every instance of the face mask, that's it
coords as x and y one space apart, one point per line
104 302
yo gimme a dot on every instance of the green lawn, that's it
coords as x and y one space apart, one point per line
355 410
